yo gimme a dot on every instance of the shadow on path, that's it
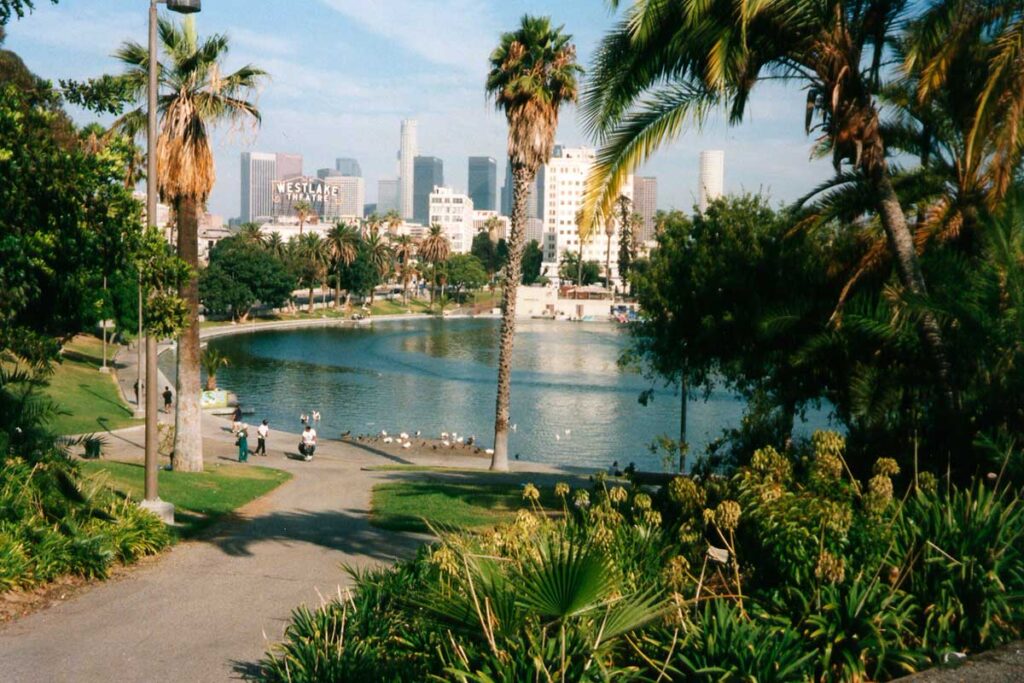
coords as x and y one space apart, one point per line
345 530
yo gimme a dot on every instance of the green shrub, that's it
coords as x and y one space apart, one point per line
964 555
724 644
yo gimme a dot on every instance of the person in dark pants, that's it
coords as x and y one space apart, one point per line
243 445
261 438
236 419
168 399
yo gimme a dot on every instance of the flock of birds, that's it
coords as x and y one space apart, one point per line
447 439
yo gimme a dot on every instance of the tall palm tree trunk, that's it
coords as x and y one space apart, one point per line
513 271
337 290
608 263
310 302
188 437
901 241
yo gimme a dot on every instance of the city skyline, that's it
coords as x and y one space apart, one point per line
437 61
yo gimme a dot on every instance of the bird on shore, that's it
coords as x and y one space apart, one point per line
388 439
346 434
444 435
418 433
490 451
407 445
446 443
383 433
403 436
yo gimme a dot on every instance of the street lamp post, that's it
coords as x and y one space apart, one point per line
152 501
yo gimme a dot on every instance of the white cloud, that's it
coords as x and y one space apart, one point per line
261 43
459 33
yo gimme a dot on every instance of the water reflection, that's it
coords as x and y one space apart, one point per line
571 402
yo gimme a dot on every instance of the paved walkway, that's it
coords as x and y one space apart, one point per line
208 609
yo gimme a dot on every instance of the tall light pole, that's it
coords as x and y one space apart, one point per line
152 501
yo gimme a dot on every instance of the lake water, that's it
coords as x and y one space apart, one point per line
571 403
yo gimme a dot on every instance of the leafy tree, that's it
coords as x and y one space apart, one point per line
242 274
196 92
659 69
361 276
16 8
489 252
67 221
532 74
570 270
465 271
533 257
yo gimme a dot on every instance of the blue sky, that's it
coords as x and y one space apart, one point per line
345 72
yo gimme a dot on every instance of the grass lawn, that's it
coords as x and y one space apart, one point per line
396 307
199 499
410 505
90 399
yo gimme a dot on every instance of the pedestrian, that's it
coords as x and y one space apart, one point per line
242 441
308 444
261 438
236 419
168 399
136 392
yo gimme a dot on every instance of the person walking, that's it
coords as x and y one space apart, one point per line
243 444
236 419
308 444
168 399
261 438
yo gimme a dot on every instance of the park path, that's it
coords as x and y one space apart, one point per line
208 609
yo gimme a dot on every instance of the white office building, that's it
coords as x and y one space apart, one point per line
259 171
712 177
406 154
454 213
348 204
387 195
562 182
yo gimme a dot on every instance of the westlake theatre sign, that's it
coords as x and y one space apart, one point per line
319 194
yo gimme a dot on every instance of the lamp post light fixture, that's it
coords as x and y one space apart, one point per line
152 502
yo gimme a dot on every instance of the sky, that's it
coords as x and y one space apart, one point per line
344 73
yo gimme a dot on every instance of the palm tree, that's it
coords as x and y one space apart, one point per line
435 248
343 247
403 247
196 93
212 361
379 254
313 256
492 225
304 212
532 74
276 245
662 66
609 231
393 221
372 223
252 233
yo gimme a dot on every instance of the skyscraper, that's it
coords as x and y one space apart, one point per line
712 177
348 203
259 171
645 203
348 167
564 182
428 173
288 166
454 213
534 200
323 173
406 153
387 195
483 183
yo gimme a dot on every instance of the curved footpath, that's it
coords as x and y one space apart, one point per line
209 608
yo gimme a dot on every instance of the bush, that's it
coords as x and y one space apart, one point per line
52 523
790 570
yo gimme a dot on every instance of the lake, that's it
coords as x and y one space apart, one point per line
571 403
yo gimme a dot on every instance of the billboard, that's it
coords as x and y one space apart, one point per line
318 193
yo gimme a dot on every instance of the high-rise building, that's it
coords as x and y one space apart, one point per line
534 202
712 177
564 182
645 203
406 153
428 173
454 213
483 183
259 171
323 173
348 167
388 191
348 203
288 166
